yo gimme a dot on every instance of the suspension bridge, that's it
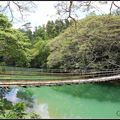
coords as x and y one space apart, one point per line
84 77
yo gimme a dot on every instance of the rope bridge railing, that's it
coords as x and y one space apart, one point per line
8 68
5 70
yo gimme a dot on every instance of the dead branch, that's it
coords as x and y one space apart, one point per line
21 8
111 7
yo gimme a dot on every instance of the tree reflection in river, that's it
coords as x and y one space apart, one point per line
98 91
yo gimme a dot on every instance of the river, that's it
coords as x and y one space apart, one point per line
98 100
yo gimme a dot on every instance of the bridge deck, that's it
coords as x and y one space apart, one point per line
7 83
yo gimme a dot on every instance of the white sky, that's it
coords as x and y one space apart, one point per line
45 11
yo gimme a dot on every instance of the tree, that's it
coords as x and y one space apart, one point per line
21 6
35 116
40 32
28 33
7 108
53 29
94 46
40 52
71 9
17 110
50 29
14 45
59 26
67 23
26 96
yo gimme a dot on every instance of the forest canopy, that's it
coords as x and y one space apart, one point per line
93 44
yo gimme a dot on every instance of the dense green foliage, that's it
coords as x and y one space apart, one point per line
14 46
40 39
95 44
17 110
25 48
40 52
53 29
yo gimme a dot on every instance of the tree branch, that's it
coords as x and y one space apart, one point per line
21 7
111 7
70 10
11 12
8 3
116 5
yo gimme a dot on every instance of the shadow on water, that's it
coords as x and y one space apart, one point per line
98 91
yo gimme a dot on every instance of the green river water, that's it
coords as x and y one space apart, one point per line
78 101
98 100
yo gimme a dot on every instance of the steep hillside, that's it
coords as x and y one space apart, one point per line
95 43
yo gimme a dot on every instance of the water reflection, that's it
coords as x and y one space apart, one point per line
71 101
41 109
19 94
98 91
12 95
